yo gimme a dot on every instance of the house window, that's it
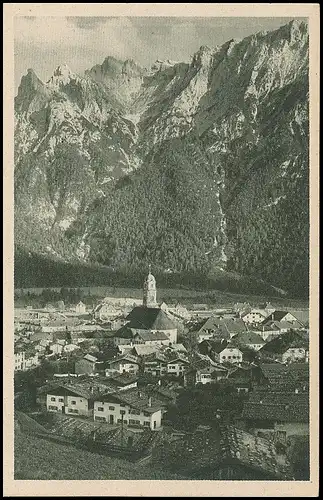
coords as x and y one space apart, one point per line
71 410
100 419
53 399
61 400
112 408
223 357
54 408
134 412
100 408
229 357
134 422
123 412
73 402
147 423
146 414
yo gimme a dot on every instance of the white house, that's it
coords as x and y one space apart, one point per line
177 366
255 316
230 355
80 308
133 408
123 364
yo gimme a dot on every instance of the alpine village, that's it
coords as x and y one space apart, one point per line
203 392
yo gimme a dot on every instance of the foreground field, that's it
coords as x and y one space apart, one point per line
39 459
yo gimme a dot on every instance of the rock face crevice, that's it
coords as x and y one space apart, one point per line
194 166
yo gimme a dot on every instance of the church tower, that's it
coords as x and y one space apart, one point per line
149 299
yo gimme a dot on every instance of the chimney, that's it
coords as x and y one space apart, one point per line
149 401
159 382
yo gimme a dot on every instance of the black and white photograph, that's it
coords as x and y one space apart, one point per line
161 325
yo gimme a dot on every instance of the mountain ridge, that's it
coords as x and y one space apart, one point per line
191 165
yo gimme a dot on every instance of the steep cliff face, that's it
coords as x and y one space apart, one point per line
193 166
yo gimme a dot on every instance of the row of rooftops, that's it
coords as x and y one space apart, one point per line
150 399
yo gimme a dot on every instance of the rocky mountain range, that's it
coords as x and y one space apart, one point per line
195 167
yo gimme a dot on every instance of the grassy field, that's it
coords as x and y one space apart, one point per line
37 459
172 295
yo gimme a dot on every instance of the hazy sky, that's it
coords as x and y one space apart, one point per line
42 43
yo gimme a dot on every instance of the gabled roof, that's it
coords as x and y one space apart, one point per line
277 406
135 398
147 336
284 342
150 318
145 350
125 332
248 338
215 345
302 316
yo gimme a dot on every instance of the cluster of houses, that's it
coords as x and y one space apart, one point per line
232 345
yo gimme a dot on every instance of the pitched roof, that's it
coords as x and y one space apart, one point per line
135 398
248 338
277 406
231 445
147 336
145 350
284 342
125 332
149 318
291 375
91 358
302 316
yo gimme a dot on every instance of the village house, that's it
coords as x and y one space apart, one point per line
180 311
277 413
220 328
177 366
80 308
25 357
131 336
283 318
267 332
288 377
89 364
241 378
105 311
70 348
123 381
250 339
254 317
241 307
133 408
288 347
123 364
230 355
19 359
155 364
57 347
204 371
73 398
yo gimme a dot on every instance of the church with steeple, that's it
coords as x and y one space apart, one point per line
148 324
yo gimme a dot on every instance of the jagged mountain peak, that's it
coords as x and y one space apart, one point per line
222 135
62 76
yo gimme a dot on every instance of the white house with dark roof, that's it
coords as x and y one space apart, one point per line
133 408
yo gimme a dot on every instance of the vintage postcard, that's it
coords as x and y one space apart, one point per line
161 176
